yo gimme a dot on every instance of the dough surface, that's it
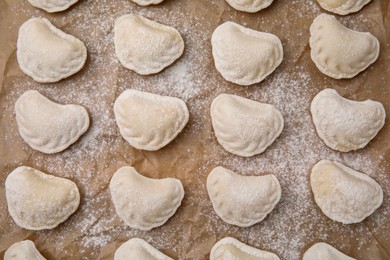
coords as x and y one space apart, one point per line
23 250
149 121
343 7
323 251
46 53
147 2
52 6
242 200
245 56
139 249
339 52
47 126
144 203
39 201
343 194
230 248
250 6
345 125
245 127
146 46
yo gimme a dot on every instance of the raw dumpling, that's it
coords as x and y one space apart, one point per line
142 202
245 127
23 250
46 53
147 2
340 52
148 121
343 194
245 56
250 6
343 7
52 6
242 200
39 201
345 125
145 46
46 126
323 251
139 249
231 248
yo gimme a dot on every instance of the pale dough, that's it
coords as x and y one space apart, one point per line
144 203
46 53
339 52
245 127
245 56
52 6
138 249
147 2
343 7
345 125
242 200
149 121
39 201
250 6
23 250
46 126
230 248
146 46
323 251
343 194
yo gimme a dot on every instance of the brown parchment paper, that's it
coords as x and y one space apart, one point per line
94 231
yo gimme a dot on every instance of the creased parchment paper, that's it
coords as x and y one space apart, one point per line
94 231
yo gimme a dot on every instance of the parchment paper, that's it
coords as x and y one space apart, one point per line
94 231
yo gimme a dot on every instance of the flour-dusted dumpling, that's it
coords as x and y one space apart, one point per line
323 251
144 203
52 6
146 46
149 121
46 53
245 127
147 2
250 6
46 126
139 249
345 125
343 194
340 52
242 200
23 250
39 201
343 7
245 56
231 248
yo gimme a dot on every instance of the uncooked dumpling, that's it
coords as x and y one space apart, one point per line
345 125
242 200
245 127
343 194
46 53
245 56
146 46
250 6
147 2
230 248
23 250
142 202
149 121
139 249
343 7
39 201
323 251
47 126
340 52
52 6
